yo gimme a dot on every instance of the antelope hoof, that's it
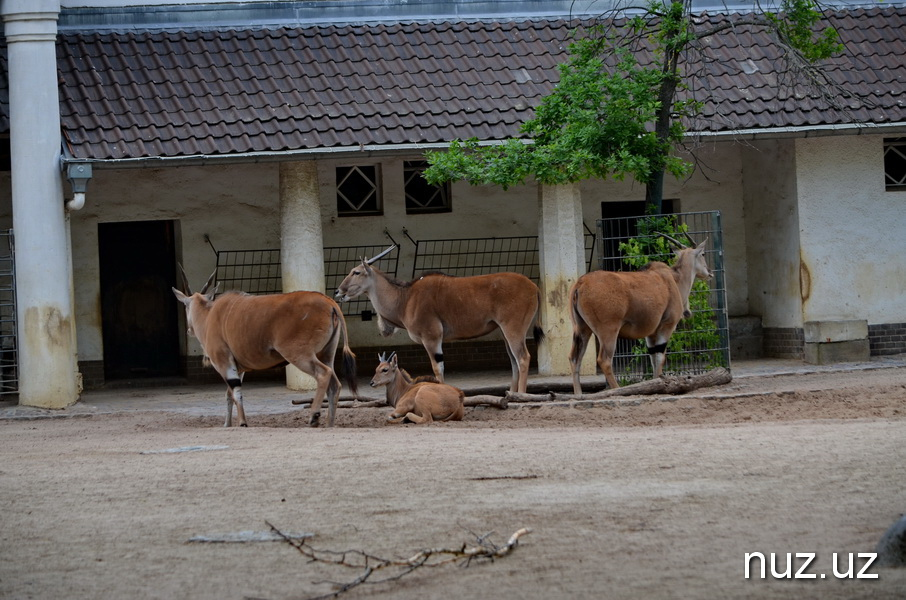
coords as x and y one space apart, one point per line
315 419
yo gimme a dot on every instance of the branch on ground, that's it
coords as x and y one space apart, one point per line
374 569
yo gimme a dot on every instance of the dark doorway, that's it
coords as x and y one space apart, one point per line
138 310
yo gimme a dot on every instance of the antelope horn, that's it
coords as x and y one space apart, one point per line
185 280
209 282
674 241
369 261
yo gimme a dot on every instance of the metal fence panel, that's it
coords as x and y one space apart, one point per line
9 353
479 256
706 346
259 272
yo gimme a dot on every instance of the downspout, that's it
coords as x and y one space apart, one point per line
78 175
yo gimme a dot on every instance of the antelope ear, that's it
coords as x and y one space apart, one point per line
180 296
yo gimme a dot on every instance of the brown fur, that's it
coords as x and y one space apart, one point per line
418 400
241 333
643 304
435 308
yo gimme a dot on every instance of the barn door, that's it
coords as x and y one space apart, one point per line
138 310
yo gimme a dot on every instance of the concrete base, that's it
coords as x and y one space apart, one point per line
829 342
836 352
746 338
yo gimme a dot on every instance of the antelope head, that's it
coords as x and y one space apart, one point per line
386 371
360 279
194 303
700 268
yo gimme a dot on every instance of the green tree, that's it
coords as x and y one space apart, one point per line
610 115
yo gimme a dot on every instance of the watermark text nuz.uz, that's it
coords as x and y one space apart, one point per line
806 565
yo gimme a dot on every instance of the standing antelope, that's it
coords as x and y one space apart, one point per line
641 304
240 333
438 307
417 400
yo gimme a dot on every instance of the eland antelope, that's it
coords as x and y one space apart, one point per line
639 304
438 307
240 333
418 400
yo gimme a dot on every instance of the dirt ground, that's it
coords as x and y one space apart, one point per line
650 498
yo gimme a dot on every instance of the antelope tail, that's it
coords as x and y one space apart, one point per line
537 331
349 366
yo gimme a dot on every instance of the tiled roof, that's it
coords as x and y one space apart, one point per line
221 93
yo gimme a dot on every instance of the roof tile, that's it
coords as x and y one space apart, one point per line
158 94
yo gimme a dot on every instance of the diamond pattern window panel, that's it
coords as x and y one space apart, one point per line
421 196
895 164
359 191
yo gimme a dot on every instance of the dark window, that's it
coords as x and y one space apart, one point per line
359 191
422 197
895 164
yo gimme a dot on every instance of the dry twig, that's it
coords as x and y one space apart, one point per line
369 565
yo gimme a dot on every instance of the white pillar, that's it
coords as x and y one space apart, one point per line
301 243
47 363
561 251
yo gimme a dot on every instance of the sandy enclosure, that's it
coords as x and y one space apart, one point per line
658 499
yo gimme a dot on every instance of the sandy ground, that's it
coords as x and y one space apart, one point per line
651 498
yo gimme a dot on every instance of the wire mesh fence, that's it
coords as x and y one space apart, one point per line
9 353
700 342
480 256
259 272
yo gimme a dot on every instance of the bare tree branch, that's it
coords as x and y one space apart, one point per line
369 565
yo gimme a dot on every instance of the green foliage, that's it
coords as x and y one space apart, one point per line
693 346
796 25
610 116
595 124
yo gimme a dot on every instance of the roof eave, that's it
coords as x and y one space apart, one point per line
367 152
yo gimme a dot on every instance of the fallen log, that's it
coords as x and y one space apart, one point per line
486 400
521 397
480 400
670 384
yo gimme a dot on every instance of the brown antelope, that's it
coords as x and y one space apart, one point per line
241 333
642 304
438 307
418 400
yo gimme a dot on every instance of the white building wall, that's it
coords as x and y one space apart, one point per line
238 207
853 232
772 221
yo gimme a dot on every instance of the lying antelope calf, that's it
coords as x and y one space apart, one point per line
418 400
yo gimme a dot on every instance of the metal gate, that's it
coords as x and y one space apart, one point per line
9 353
699 343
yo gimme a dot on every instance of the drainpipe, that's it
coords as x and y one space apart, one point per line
46 322
78 175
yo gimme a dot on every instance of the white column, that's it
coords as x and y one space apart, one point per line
301 244
47 363
561 249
